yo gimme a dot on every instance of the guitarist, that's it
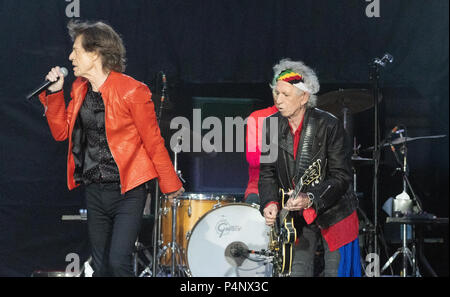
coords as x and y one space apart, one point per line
327 211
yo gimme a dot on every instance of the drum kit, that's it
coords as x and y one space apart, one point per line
202 232
343 104
209 234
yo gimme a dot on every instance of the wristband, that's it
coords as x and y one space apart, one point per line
311 199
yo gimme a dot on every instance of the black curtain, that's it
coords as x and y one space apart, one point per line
200 43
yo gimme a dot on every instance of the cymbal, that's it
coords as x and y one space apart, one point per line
401 140
355 100
357 160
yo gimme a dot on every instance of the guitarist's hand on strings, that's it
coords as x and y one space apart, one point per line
302 201
270 214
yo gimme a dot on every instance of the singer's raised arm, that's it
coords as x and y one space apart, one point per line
58 116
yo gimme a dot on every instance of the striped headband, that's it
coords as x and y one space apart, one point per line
293 78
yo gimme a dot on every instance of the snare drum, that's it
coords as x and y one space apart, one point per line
191 206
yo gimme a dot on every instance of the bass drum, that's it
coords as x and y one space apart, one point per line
220 242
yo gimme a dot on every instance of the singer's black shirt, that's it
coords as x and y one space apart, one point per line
99 165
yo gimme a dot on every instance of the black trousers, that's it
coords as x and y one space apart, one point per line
305 250
114 221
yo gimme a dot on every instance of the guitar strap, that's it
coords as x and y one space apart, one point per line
304 157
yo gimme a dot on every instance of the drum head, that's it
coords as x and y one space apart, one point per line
220 240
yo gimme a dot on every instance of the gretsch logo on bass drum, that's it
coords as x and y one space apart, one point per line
224 228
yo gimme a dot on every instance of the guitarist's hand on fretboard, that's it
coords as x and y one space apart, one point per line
302 201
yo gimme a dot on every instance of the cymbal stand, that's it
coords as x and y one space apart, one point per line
408 255
368 229
175 268
404 168
157 211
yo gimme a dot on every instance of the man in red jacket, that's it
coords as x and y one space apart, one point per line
115 145
253 151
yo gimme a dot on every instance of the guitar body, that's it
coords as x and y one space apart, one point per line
282 237
290 236
283 234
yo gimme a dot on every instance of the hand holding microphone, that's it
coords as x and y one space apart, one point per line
54 81
56 76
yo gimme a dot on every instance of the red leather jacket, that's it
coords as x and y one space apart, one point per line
131 128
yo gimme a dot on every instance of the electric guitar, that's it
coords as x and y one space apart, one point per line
283 234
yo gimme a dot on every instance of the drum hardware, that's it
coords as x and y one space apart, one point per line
173 245
404 210
147 272
162 251
255 205
403 205
190 207
367 229
217 203
176 252
139 247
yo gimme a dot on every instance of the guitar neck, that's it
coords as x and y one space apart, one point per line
298 188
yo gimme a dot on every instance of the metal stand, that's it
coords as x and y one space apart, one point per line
156 229
157 211
368 229
408 256
374 77
403 205
139 247
177 253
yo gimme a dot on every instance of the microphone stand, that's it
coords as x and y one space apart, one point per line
374 76
156 211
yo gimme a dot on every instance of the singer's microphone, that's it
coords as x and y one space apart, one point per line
45 84
164 81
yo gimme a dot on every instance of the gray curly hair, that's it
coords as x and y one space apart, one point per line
309 77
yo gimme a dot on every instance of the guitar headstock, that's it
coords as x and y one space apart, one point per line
312 174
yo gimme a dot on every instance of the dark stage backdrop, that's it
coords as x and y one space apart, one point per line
213 49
